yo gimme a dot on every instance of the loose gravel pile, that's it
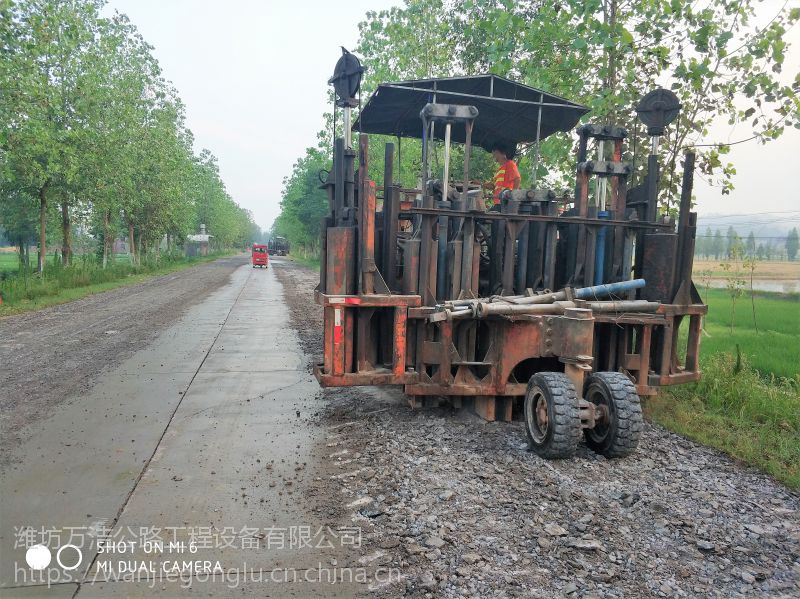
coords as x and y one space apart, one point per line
463 509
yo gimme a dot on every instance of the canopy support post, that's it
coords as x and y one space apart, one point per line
538 139
446 173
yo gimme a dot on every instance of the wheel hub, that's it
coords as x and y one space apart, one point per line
602 414
539 419
541 412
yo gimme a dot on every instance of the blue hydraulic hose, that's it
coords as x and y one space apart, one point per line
600 251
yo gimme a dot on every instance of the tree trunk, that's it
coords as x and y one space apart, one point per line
142 249
105 237
131 244
22 258
42 226
66 246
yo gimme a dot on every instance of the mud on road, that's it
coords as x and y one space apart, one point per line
57 352
462 509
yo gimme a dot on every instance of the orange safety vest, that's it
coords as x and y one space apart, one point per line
504 178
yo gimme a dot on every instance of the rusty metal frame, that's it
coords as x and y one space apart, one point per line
379 287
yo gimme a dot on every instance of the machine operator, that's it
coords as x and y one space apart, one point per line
507 175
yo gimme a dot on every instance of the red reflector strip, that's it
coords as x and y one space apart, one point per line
338 334
353 301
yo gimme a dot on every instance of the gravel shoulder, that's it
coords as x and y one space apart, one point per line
50 355
462 509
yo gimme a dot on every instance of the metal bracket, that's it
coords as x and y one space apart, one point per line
448 113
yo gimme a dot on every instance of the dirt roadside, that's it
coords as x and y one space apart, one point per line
462 509
49 355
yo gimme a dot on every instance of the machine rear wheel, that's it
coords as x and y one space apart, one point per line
552 417
616 434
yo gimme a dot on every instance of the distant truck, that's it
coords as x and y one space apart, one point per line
278 246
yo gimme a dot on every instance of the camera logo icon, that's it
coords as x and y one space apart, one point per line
39 557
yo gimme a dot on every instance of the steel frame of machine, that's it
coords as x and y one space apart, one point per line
436 294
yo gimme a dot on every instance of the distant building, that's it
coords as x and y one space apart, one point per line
197 245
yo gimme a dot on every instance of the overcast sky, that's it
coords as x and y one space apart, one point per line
253 75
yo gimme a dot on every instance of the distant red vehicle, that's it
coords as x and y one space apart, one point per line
260 255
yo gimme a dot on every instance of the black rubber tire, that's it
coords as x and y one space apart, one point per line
620 436
558 437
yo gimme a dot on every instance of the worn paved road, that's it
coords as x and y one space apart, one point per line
54 354
202 438
184 408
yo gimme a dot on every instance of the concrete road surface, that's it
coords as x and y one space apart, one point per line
182 469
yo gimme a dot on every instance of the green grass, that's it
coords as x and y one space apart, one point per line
748 401
773 348
9 261
59 285
739 412
307 260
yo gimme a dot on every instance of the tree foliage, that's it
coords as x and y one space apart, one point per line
607 54
93 137
303 203
724 66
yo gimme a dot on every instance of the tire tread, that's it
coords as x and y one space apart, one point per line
628 411
566 415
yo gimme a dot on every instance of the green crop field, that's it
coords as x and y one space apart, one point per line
748 403
770 339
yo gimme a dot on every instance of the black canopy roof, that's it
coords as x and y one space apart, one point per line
507 111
